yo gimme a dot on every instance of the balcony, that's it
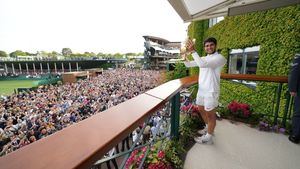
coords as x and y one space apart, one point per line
84 144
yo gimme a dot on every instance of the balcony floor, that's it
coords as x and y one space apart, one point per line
237 146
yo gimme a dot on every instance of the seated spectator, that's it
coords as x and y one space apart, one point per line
27 117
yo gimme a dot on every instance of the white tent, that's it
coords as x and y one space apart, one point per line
190 10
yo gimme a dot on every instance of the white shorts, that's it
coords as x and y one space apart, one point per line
209 102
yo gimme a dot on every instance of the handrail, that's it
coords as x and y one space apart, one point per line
278 79
82 144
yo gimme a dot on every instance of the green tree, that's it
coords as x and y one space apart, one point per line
53 54
29 54
77 55
180 71
17 53
100 54
3 53
43 53
66 52
117 55
89 54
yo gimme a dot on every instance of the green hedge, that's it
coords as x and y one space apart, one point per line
196 30
277 31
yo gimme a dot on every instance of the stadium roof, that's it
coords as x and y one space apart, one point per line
191 10
154 38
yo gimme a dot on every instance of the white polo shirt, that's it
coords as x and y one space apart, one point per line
210 68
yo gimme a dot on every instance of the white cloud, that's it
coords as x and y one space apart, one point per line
86 25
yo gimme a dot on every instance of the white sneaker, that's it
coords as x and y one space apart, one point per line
203 131
203 140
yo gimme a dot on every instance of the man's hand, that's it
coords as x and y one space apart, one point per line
190 46
293 93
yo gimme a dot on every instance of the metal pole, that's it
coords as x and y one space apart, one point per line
41 66
277 103
20 67
33 68
62 67
175 114
48 67
77 66
13 68
70 68
55 68
5 66
27 68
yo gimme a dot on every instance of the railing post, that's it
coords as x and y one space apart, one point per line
291 108
286 109
277 103
175 114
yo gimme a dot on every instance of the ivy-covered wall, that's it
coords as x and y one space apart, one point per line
196 30
277 31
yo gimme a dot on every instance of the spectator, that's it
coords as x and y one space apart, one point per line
27 117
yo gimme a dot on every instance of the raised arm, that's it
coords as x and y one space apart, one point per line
204 62
190 64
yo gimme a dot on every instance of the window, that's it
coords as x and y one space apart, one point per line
243 61
213 21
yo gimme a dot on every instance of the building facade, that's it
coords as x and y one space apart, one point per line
159 51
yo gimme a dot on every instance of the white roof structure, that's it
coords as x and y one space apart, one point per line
191 10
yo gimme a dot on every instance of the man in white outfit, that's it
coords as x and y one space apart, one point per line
210 68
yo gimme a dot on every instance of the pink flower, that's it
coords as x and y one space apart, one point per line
161 154
134 152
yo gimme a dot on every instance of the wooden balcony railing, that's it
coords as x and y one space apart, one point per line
82 144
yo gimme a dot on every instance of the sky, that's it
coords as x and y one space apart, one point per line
107 26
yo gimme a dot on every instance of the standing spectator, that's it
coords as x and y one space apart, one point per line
294 88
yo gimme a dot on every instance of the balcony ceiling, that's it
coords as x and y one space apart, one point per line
191 10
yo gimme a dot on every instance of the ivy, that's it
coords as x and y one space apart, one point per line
277 31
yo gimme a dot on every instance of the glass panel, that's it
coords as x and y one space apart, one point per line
213 21
210 22
235 63
252 59
243 61
219 19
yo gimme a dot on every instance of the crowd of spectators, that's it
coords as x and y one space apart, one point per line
27 117
4 74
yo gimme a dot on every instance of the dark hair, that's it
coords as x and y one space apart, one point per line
210 39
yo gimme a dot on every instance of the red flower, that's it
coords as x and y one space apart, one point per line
161 154
240 109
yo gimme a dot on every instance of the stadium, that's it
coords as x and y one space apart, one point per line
143 110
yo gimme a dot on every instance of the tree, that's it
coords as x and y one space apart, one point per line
66 52
44 53
29 54
76 55
3 53
17 53
117 55
53 54
100 54
92 54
